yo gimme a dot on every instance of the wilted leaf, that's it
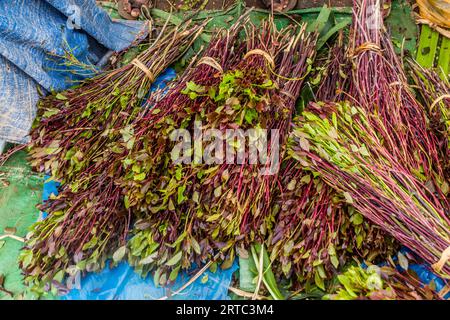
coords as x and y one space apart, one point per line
204 279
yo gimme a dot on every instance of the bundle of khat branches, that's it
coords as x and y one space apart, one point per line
344 145
333 78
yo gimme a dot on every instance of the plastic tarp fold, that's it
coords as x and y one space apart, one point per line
122 283
34 36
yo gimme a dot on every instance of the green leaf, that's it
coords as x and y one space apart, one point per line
157 276
268 84
26 258
136 168
321 271
334 261
123 101
59 276
116 92
193 95
149 259
193 88
268 276
286 267
218 191
213 217
291 185
204 279
179 173
324 38
213 267
359 240
196 246
91 244
374 282
175 259
348 197
345 281
287 248
50 112
179 240
316 80
246 275
334 120
363 151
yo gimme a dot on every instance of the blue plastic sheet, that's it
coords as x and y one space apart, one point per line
34 34
122 283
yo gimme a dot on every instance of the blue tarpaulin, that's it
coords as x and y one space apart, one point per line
34 35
